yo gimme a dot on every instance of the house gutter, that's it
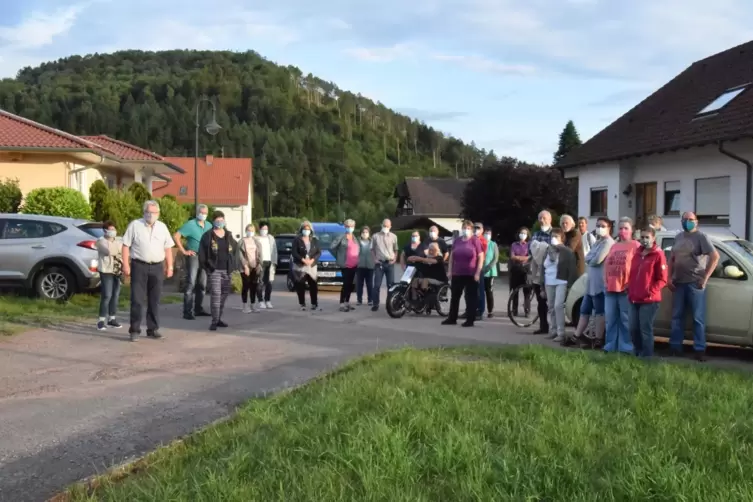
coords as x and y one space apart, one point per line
748 188
91 166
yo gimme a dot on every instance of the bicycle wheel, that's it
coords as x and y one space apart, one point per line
527 306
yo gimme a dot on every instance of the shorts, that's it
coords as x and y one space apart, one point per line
592 305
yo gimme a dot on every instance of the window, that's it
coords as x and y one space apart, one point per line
598 202
712 200
26 229
183 190
724 262
666 246
723 100
672 198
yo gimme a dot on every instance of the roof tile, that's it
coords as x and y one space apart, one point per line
223 183
19 132
125 151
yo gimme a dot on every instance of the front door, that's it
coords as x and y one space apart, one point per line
645 202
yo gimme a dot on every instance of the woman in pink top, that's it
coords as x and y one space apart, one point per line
346 250
616 275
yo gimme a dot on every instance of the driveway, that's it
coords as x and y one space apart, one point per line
74 401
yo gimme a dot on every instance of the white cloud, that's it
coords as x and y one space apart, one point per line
39 29
381 54
482 64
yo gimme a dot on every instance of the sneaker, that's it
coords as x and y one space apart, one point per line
113 323
262 305
448 322
189 317
133 336
269 305
489 315
359 304
558 339
154 334
343 307
246 308
315 308
221 324
370 304
101 326
374 308
467 324
254 308
303 308
213 327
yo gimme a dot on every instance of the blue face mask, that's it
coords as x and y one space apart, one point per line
219 224
201 217
688 225
349 230
306 233
414 240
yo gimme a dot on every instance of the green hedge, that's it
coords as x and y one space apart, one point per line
10 196
57 201
281 224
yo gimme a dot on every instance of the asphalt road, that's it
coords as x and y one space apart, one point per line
75 402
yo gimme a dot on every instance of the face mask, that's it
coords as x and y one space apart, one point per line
306 233
522 237
414 240
555 241
646 243
349 230
219 224
263 232
433 235
488 237
201 217
545 228
386 230
250 233
467 232
112 233
365 235
624 234
479 232
150 217
688 225
601 231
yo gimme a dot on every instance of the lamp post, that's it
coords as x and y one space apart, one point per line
212 128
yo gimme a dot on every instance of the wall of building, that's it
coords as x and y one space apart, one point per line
35 174
684 167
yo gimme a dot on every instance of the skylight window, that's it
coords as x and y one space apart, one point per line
723 100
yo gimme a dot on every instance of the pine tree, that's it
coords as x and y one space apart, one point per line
569 140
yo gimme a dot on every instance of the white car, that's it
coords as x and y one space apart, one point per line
729 299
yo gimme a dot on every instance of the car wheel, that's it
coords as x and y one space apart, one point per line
55 283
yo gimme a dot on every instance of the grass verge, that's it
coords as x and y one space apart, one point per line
19 313
519 424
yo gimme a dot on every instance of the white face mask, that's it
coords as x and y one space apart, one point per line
467 232
545 228
386 230
250 233
306 233
601 231
433 235
488 237
150 217
202 217
555 241
522 237
263 232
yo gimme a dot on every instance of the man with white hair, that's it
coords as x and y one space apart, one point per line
196 278
147 259
384 249
543 235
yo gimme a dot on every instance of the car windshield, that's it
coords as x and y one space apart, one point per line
743 248
326 238
284 244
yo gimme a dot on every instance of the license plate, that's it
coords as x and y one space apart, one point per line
327 274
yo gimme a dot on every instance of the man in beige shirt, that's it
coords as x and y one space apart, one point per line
147 259
384 250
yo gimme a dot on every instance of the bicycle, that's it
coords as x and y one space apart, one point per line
526 291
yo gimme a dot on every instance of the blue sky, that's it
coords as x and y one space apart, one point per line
507 74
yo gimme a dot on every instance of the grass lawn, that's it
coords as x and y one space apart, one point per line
518 424
19 313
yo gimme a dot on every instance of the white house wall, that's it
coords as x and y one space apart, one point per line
685 166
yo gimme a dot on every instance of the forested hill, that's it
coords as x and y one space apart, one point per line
313 143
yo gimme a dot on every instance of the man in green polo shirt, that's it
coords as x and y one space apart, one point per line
196 279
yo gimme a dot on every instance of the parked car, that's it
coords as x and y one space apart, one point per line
328 273
284 250
729 300
52 256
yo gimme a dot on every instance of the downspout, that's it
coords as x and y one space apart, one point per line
748 188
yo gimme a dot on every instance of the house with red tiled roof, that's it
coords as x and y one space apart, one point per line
686 147
224 183
40 156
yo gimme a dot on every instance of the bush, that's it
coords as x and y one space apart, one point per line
172 213
57 201
97 194
139 192
10 196
191 212
120 207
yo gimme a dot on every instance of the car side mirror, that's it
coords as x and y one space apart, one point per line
733 272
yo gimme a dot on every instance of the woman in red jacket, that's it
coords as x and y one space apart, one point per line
648 275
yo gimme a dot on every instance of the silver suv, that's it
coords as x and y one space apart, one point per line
53 256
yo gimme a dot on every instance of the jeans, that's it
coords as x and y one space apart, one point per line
250 285
592 305
463 284
382 269
349 276
518 278
642 316
688 295
617 311
300 289
555 297
364 276
146 288
542 308
109 296
196 286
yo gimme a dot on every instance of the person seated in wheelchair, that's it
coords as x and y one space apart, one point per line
430 270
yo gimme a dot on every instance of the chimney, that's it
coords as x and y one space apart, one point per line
209 160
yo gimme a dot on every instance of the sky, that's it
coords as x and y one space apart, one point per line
507 74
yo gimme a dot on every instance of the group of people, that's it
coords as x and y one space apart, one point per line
625 279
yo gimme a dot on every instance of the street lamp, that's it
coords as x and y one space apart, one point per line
212 128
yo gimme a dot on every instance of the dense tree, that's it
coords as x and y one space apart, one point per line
569 140
510 195
324 151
